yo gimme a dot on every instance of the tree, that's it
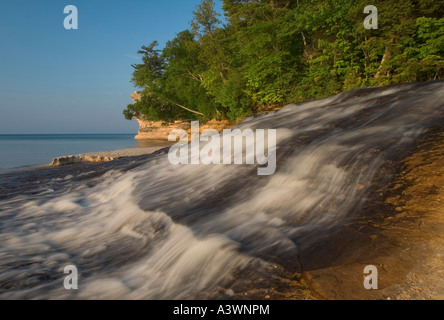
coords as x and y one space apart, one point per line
205 19
150 70
273 52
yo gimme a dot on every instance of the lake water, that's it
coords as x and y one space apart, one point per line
29 150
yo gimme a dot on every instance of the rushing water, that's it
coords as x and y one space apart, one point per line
145 229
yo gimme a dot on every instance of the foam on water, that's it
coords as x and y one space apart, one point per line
176 232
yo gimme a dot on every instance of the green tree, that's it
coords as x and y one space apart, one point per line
273 52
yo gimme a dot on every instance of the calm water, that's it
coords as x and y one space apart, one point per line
28 150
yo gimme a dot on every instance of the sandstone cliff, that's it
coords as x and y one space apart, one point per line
159 130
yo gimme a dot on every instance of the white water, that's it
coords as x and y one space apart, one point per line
178 232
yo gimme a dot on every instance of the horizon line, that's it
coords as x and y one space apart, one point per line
53 134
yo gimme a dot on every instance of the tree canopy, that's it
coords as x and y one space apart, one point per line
268 53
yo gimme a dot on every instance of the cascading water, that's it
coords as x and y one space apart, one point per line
158 231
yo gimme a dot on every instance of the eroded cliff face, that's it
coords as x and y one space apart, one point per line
136 96
159 130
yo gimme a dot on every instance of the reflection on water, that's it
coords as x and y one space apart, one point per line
153 143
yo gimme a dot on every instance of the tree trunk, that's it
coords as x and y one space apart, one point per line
307 55
387 56
222 77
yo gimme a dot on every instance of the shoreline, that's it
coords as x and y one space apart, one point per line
154 139
97 157
103 156
106 156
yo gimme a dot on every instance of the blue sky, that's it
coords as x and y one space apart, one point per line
54 80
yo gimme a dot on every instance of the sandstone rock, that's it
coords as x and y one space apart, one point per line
136 96
105 156
159 130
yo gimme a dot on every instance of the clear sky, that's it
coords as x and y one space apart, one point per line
54 80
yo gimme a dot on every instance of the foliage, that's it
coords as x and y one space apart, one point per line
274 52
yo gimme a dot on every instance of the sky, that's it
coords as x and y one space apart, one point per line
58 81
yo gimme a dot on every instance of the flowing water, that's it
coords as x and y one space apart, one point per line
145 229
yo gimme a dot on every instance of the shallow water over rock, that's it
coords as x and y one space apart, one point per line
141 228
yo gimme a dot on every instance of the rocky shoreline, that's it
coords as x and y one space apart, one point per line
104 156
403 238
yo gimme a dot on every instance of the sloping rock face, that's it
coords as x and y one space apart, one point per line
159 130
359 182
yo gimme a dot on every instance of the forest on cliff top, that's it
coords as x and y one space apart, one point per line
268 53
